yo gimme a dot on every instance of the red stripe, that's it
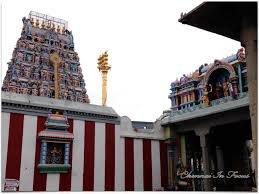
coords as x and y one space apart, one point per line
163 164
88 179
129 164
65 178
147 165
14 153
109 157
40 180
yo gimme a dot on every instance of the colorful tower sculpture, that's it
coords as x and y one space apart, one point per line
44 62
104 67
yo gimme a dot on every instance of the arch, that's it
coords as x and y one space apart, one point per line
219 65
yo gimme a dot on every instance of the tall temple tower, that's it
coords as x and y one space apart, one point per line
44 62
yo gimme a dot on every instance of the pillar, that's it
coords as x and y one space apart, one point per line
183 149
220 161
234 81
240 79
43 154
249 41
66 157
203 134
172 102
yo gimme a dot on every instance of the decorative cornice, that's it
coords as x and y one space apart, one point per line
40 106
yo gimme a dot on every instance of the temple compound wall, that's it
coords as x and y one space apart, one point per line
101 150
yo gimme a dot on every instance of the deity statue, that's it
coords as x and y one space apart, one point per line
36 74
27 26
25 91
43 91
34 90
82 84
76 58
21 44
27 73
20 73
79 69
48 92
37 47
55 156
184 79
28 58
85 98
218 90
71 95
70 56
205 98
241 55
19 57
37 60
31 47
226 87
71 39
66 66
65 95
195 75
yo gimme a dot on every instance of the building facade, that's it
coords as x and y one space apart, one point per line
240 25
208 127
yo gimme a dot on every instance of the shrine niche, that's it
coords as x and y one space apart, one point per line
220 81
55 144
55 153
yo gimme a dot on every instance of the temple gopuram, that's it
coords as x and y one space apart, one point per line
53 139
208 130
31 72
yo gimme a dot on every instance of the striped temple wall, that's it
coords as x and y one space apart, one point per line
102 159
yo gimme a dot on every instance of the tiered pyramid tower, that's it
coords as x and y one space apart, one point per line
31 71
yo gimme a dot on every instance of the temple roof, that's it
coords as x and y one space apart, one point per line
31 70
222 18
201 71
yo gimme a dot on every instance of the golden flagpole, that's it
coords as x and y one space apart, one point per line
104 67
55 60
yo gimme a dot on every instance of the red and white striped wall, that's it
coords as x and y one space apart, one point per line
101 159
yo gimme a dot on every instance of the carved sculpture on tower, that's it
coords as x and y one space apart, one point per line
44 62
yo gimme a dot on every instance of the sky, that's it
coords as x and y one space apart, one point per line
148 48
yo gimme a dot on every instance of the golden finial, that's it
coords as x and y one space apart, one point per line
104 67
42 24
63 30
49 25
53 27
58 29
32 21
37 23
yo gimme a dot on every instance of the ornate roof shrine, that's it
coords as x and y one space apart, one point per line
44 62
210 82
